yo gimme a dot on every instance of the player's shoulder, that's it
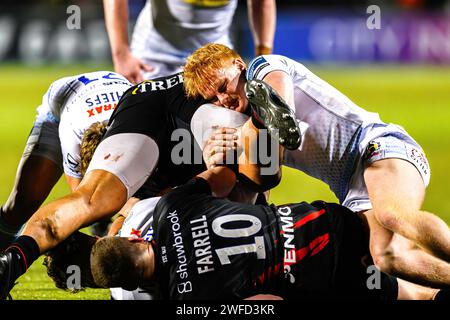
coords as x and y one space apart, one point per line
159 86
89 77
261 65
154 92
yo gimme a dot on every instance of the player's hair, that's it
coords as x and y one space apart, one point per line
74 251
113 263
91 139
201 66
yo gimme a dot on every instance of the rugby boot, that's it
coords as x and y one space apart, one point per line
7 279
270 110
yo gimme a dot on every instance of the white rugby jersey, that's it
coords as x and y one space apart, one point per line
331 124
77 102
168 31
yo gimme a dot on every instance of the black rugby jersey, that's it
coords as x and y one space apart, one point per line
159 109
211 248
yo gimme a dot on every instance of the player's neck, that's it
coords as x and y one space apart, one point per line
149 263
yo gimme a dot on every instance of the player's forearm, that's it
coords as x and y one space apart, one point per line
116 20
262 19
122 215
54 222
221 180
116 226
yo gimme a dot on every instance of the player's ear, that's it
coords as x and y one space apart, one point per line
239 63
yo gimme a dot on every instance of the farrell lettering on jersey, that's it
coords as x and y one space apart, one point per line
202 245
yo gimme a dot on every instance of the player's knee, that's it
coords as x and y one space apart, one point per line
386 261
389 219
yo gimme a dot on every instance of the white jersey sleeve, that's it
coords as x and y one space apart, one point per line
262 65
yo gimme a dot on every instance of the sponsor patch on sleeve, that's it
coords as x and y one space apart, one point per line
373 151
255 67
417 156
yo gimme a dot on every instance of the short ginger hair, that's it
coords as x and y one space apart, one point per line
201 66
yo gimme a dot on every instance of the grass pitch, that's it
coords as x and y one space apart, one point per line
418 98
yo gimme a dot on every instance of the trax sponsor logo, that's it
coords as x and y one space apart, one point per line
181 271
104 108
287 226
157 85
202 245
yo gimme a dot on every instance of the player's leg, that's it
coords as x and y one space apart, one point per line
397 198
271 121
54 222
412 291
101 194
38 171
273 113
35 178
396 255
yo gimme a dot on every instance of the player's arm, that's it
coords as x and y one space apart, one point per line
99 195
116 20
122 215
262 19
221 180
224 141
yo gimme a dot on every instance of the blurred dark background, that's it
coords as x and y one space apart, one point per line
320 31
